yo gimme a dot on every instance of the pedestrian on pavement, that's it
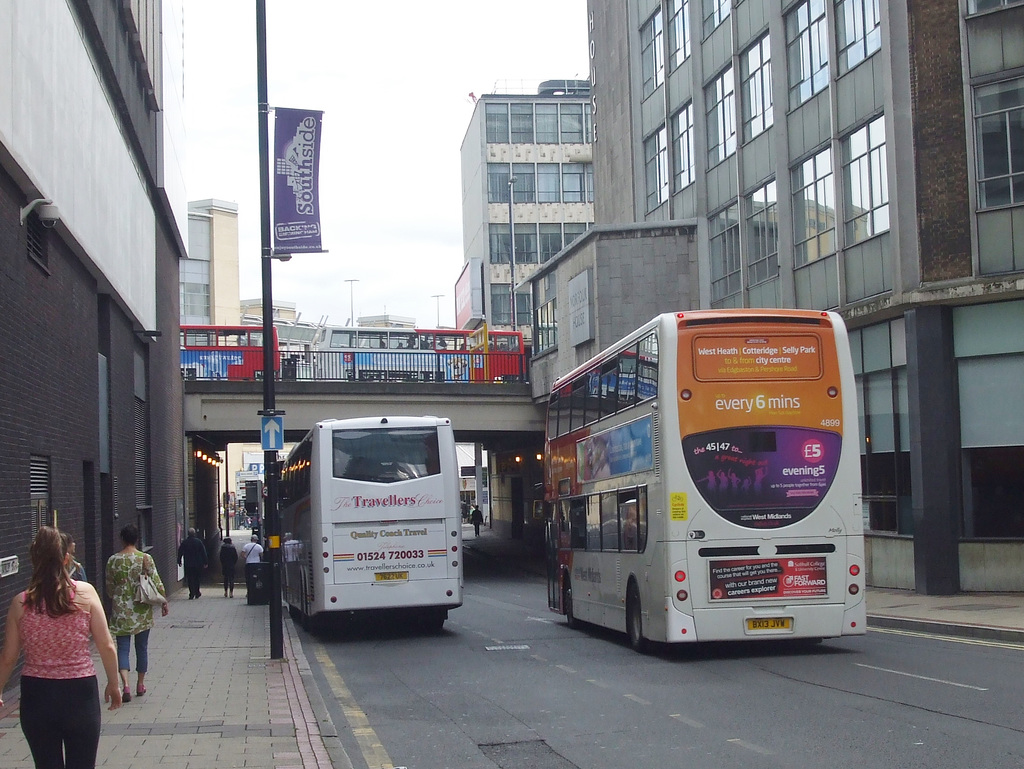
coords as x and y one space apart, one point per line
476 518
129 618
52 621
75 570
228 559
193 552
253 552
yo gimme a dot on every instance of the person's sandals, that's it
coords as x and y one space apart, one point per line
140 690
126 696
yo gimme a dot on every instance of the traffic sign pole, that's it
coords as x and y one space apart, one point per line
271 467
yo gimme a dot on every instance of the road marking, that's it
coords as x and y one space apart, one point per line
539 658
922 678
953 639
566 668
636 699
601 684
687 721
750 746
540 619
373 751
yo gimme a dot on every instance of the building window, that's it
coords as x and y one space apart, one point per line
865 182
721 101
977 6
545 327
497 182
762 235
678 32
652 56
500 243
549 185
858 31
526 244
194 291
522 123
814 209
573 183
496 116
999 123
588 181
573 230
715 12
547 123
656 169
500 314
682 147
524 189
724 242
549 241
807 51
571 116
524 308
756 75
39 491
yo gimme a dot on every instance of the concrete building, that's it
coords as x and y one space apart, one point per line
209 286
92 224
853 155
526 159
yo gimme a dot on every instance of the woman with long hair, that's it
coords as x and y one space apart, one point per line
129 618
52 622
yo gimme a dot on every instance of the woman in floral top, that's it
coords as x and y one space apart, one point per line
128 617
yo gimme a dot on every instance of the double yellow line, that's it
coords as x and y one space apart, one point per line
369 744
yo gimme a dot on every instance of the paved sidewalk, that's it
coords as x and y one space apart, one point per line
214 699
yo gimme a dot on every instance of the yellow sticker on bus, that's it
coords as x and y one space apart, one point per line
678 511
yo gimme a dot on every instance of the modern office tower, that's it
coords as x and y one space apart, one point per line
855 155
93 221
527 191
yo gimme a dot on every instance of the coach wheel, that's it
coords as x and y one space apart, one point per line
635 620
570 618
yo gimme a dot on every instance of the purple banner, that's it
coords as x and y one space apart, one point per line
297 181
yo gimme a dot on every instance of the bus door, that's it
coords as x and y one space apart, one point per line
556 554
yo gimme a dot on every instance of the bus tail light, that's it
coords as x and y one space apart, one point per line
326 556
680 576
854 589
455 548
832 392
682 595
854 570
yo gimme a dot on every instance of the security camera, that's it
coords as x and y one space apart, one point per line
48 215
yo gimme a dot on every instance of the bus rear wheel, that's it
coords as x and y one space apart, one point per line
635 620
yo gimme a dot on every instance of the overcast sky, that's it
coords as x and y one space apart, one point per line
393 80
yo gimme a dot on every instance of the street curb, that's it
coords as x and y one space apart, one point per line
975 632
326 730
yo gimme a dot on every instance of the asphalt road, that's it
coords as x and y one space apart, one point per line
507 684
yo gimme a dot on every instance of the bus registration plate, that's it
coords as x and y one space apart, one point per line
391 576
770 623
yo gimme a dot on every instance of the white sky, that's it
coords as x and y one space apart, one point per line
393 80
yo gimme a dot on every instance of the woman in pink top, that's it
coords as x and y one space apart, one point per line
52 622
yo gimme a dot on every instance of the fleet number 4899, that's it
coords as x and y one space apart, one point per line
831 422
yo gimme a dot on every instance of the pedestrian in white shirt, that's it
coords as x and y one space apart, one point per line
253 554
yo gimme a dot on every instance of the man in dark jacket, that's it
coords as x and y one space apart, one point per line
228 559
193 552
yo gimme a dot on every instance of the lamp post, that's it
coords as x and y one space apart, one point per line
512 250
352 300
438 298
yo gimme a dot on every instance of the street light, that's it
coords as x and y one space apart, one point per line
512 251
351 300
438 298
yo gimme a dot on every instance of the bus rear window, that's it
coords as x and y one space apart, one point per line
385 456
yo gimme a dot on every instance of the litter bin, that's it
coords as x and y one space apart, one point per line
257 583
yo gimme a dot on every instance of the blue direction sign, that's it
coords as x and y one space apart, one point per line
272 433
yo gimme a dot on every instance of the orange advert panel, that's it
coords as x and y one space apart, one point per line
761 378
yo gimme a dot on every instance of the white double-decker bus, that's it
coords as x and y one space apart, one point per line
371 520
702 481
